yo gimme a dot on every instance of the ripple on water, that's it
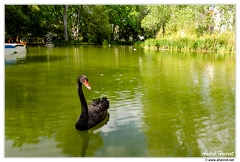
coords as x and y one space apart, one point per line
126 107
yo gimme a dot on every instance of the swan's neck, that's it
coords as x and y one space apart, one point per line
84 107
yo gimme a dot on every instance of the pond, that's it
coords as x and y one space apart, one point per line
162 104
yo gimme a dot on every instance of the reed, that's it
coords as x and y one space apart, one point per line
218 43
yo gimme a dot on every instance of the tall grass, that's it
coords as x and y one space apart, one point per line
219 43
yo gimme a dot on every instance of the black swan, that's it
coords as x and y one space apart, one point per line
93 114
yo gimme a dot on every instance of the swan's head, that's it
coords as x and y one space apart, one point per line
84 80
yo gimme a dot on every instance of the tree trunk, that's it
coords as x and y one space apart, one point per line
65 22
78 21
163 29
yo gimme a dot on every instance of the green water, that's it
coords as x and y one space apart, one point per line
162 104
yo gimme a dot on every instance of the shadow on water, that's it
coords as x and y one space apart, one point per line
85 135
43 58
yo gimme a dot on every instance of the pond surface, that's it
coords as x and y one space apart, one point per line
162 104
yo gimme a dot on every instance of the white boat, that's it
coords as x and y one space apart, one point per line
14 52
12 48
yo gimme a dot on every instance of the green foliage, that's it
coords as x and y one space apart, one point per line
16 21
182 17
126 20
157 17
95 24
118 23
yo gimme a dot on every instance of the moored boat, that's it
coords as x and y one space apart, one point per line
14 52
12 48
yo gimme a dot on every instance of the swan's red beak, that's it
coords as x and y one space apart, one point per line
87 84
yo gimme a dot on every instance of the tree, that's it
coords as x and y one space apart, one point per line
35 28
190 19
96 23
227 14
125 20
157 17
75 20
52 20
16 21
183 18
65 23
95 27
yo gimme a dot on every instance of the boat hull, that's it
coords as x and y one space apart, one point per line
14 52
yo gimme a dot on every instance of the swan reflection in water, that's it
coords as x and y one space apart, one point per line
85 134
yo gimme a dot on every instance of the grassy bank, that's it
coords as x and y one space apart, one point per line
224 43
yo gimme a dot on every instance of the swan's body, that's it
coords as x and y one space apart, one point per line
94 113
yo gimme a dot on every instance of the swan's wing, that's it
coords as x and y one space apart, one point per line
99 104
97 111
